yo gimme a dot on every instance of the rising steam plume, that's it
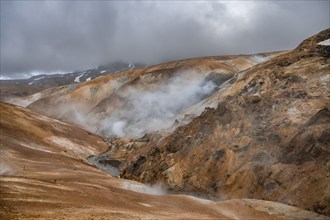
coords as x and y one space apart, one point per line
147 109
155 109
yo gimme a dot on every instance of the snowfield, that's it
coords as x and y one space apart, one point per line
325 42
77 79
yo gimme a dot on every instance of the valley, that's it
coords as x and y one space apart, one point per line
221 137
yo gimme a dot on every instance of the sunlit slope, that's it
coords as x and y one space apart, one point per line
266 136
119 104
44 176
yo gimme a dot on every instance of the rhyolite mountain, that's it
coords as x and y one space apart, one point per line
245 129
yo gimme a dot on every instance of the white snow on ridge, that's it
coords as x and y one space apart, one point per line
131 66
30 83
39 78
324 43
103 71
77 79
89 78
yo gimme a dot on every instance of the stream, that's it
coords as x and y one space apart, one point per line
110 166
106 164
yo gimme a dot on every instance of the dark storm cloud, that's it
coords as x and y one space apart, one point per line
50 36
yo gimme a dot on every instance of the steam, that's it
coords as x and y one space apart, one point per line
150 105
260 59
118 128
155 108
147 189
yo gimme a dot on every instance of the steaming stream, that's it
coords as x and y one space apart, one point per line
154 110
106 164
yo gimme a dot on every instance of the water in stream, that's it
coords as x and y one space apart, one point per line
105 163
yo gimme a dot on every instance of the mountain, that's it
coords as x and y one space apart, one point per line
160 93
249 132
24 87
267 138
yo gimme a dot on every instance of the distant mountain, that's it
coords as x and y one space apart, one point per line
40 82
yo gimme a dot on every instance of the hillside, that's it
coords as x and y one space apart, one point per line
248 133
24 87
151 98
45 175
268 137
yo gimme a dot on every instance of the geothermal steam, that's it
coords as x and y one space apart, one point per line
144 108
155 109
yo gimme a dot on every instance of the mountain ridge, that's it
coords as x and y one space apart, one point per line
41 82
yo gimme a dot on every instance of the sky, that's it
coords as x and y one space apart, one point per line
65 36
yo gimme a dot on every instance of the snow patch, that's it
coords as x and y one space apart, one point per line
88 79
131 66
39 78
77 79
104 71
30 83
324 43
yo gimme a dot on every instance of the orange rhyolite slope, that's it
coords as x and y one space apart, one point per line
44 175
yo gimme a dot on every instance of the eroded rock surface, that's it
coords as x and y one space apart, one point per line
268 138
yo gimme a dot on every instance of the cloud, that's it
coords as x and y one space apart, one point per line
49 36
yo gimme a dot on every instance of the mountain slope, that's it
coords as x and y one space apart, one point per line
151 98
11 89
222 127
268 137
44 175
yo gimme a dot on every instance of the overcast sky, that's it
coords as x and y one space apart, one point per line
51 36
